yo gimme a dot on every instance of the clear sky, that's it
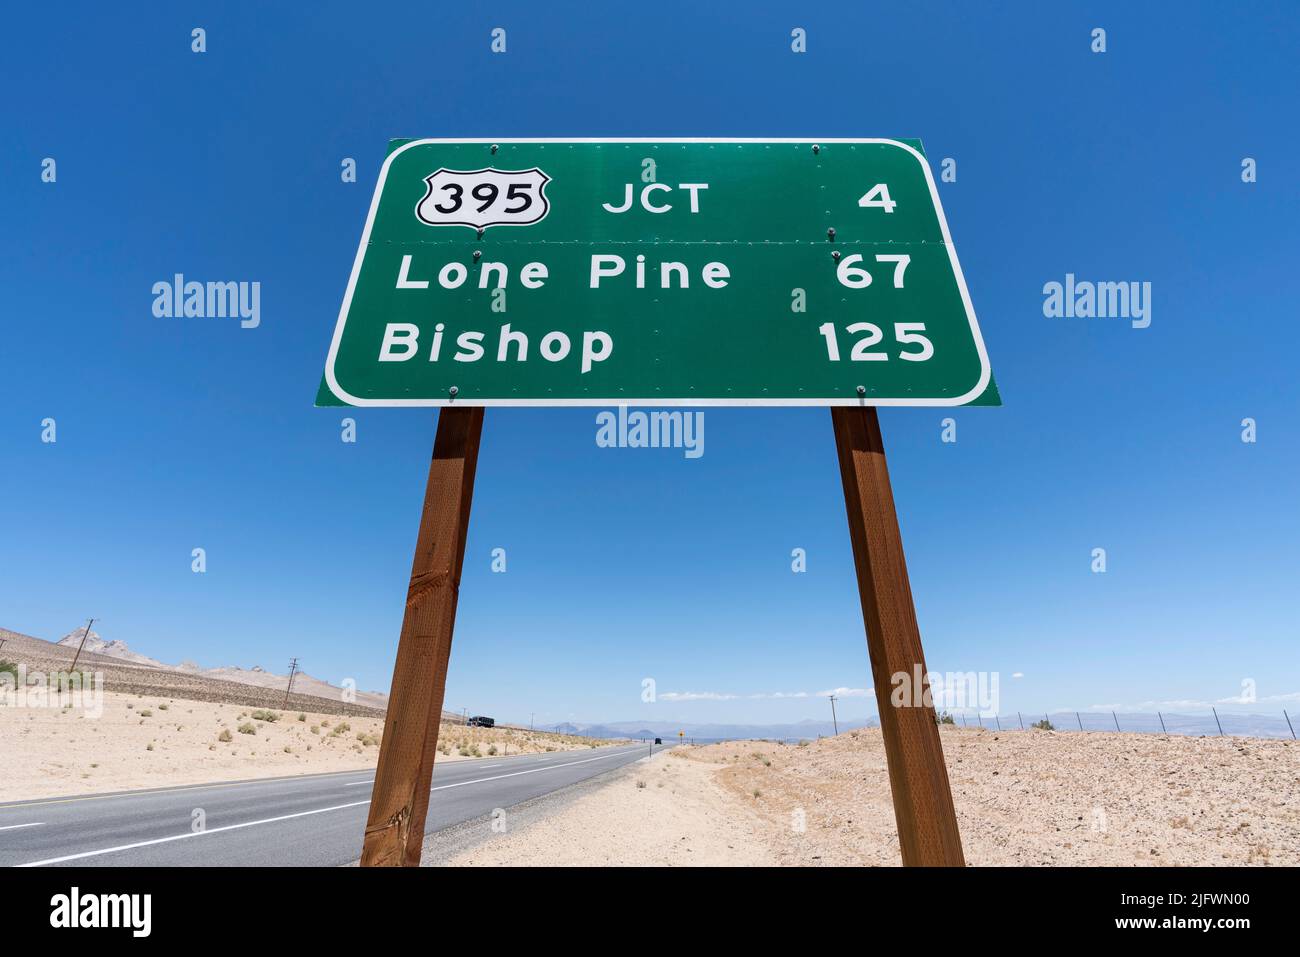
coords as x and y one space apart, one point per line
625 564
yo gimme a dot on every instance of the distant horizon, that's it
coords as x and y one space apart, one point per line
1185 721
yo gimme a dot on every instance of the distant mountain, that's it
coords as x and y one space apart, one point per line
803 730
98 646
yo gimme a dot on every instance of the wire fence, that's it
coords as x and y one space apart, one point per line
1221 723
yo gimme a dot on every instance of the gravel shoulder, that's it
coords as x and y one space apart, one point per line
661 811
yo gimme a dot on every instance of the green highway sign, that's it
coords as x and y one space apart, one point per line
656 272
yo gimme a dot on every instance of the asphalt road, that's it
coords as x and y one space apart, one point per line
310 820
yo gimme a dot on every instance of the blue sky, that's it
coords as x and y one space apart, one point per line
626 564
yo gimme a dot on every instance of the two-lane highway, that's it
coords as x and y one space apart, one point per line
306 820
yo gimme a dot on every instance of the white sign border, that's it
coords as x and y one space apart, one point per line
344 396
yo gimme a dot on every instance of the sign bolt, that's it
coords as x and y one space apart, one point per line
453 390
830 234
478 254
836 255
816 149
495 147
862 389
480 232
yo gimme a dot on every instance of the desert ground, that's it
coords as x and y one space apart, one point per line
665 811
1023 798
142 741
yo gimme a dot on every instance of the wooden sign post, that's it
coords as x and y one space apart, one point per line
400 800
918 778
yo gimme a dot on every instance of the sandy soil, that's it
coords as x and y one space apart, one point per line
665 811
1031 798
141 742
1023 798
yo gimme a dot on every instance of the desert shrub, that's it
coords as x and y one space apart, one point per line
302 716
267 716
149 746
492 749
315 729
162 707
225 735
340 729
146 713
248 728
640 784
11 668
1043 725
943 717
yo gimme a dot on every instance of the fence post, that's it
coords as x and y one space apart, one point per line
1288 723
1022 721
1078 719
1162 724
1112 714
1218 722
999 723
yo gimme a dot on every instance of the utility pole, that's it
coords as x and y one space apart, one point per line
293 668
82 645
531 715
834 720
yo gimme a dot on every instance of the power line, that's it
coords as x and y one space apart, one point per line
77 656
293 670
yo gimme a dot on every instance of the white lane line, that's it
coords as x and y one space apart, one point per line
14 827
512 774
286 817
181 837
543 760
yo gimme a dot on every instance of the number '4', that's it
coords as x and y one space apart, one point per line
878 195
